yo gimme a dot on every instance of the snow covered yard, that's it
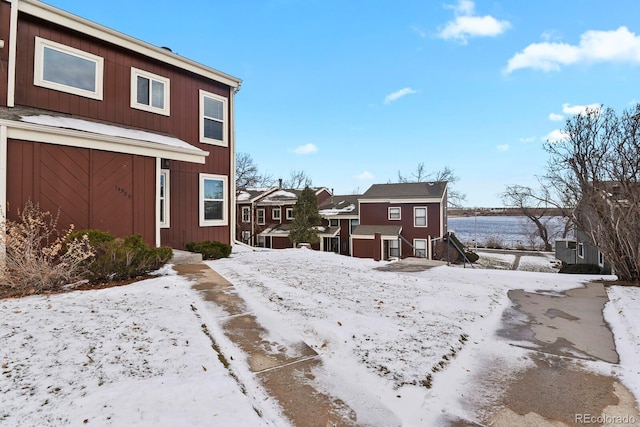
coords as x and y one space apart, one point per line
130 355
137 355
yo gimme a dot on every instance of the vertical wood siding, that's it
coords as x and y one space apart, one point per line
90 188
115 109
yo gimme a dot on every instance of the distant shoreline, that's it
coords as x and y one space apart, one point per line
467 212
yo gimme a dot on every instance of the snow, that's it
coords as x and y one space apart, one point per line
336 211
279 195
399 348
103 129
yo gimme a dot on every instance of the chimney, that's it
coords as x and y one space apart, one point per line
280 184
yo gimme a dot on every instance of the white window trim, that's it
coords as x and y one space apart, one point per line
203 139
289 213
337 222
426 247
258 212
246 209
426 216
167 198
225 199
600 259
246 236
135 72
580 250
273 214
351 227
38 69
389 213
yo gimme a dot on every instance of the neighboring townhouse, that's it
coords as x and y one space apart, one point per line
400 220
272 215
246 213
581 250
342 217
114 133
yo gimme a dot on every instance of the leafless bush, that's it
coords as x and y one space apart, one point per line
37 257
494 242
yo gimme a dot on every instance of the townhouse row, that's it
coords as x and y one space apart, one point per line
387 221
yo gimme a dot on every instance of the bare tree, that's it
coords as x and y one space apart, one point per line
248 175
447 174
298 179
597 165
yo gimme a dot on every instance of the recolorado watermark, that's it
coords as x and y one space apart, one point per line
605 419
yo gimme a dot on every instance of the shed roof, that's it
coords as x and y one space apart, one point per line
370 230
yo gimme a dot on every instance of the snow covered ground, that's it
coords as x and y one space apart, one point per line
396 347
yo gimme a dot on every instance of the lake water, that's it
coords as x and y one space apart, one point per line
509 231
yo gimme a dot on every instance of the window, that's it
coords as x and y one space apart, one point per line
420 217
260 241
581 250
420 248
334 223
164 198
246 236
289 212
275 213
246 214
600 259
67 69
213 200
394 214
394 249
260 216
213 117
149 92
353 224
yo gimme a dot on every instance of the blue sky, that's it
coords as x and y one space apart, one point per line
353 92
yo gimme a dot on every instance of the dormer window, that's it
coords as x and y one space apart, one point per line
150 92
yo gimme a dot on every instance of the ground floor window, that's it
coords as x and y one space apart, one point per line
246 236
164 198
420 248
260 242
581 250
394 249
213 200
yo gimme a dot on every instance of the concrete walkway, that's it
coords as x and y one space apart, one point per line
564 332
285 370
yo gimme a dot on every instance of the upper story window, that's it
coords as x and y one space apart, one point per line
246 214
149 92
420 217
260 216
289 213
394 213
275 213
67 69
213 119
334 223
213 200
353 224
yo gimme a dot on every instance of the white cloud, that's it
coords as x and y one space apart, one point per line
528 139
579 109
306 149
398 94
556 136
555 117
619 45
365 176
466 24
503 147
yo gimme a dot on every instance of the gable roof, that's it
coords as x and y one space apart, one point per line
249 195
406 190
285 196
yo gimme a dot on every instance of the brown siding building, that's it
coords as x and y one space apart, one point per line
116 134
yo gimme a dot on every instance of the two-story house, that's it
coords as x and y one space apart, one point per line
400 220
114 133
342 217
265 216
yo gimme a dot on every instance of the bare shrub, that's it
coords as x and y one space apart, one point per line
38 258
494 242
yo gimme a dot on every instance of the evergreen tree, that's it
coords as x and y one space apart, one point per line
305 218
